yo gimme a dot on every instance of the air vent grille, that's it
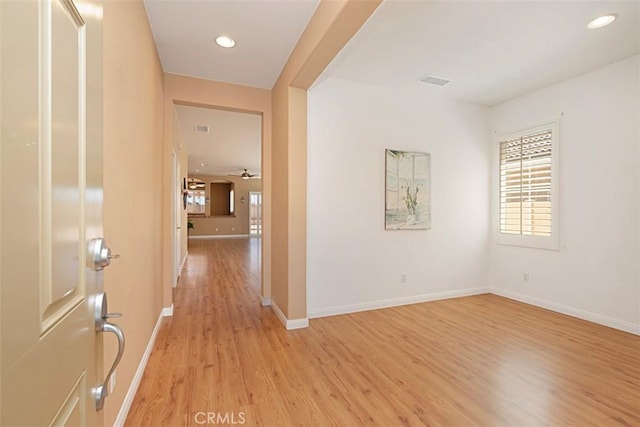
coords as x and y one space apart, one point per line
433 80
201 128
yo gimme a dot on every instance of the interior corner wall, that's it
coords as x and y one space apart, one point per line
297 306
280 238
595 273
132 212
353 263
332 25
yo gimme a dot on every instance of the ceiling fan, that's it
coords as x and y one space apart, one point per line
245 175
194 184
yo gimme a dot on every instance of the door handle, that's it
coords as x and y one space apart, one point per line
99 254
101 391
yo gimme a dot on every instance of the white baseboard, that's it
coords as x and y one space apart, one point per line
184 260
266 301
393 302
289 324
135 383
297 324
180 269
570 311
220 236
167 311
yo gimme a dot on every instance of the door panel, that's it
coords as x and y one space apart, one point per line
62 184
71 412
50 206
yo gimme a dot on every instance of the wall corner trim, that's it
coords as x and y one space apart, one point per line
266 301
289 324
137 378
167 311
570 311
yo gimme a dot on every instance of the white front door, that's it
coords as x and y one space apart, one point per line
50 209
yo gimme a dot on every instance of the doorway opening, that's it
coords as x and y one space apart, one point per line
220 154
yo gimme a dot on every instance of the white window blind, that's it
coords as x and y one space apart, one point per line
526 202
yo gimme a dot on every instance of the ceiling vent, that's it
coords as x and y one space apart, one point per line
433 80
201 128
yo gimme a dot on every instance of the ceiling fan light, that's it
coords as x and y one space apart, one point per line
244 175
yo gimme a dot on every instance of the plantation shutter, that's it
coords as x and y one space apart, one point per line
525 184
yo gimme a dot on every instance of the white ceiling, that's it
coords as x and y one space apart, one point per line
265 32
232 144
491 50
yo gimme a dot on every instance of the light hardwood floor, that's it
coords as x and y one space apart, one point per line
482 360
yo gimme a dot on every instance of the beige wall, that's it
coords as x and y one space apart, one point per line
206 93
132 154
234 224
279 223
330 28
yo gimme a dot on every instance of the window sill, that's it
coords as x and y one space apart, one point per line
531 242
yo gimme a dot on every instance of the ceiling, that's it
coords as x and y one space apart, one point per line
492 51
265 32
232 144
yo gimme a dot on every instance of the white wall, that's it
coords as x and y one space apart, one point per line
353 263
595 274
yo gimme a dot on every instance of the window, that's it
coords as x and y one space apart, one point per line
196 202
255 213
528 187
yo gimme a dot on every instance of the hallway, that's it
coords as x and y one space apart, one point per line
203 353
481 360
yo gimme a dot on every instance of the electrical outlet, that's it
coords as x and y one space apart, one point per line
233 229
403 277
112 382
525 278
216 229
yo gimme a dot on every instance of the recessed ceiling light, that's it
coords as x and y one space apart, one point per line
225 41
601 21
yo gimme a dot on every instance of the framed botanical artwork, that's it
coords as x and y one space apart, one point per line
407 190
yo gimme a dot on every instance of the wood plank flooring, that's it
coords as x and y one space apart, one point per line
475 361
